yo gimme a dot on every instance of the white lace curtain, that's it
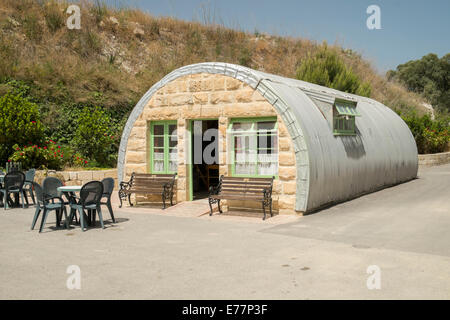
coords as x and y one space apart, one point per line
255 148
266 164
158 162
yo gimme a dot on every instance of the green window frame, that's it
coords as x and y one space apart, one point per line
344 125
246 142
344 113
163 147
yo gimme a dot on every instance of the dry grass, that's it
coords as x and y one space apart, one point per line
106 63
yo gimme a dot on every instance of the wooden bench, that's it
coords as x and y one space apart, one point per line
147 183
246 189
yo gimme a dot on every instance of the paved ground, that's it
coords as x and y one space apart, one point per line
404 230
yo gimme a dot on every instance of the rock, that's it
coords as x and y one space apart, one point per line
430 109
138 32
114 20
165 32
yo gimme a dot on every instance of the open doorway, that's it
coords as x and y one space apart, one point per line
205 164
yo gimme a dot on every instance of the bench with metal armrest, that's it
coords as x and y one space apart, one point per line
246 189
148 184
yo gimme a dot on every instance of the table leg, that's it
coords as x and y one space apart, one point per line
73 212
16 199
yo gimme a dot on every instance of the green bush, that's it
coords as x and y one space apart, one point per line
34 156
436 141
96 136
19 124
16 87
325 68
245 57
61 122
48 156
432 136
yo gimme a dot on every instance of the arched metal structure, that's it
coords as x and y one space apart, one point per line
329 168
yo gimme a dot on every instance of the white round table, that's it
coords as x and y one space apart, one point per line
69 189
69 192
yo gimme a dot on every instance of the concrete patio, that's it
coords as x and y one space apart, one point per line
155 254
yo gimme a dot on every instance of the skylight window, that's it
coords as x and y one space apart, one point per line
344 113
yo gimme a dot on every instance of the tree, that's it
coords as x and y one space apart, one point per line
429 76
96 136
19 124
325 68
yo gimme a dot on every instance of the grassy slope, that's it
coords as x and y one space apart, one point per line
106 63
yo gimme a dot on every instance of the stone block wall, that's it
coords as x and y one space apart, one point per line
434 159
209 96
79 178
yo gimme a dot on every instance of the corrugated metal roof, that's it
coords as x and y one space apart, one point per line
329 168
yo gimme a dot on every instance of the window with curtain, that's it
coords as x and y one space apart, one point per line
254 150
164 147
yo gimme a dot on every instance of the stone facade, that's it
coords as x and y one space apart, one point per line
209 96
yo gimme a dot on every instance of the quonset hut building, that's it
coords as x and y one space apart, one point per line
323 146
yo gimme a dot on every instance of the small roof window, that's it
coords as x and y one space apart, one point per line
344 117
346 108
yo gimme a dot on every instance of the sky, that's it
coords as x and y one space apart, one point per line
409 30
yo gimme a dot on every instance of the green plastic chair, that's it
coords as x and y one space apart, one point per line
90 196
108 187
46 204
13 183
28 185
